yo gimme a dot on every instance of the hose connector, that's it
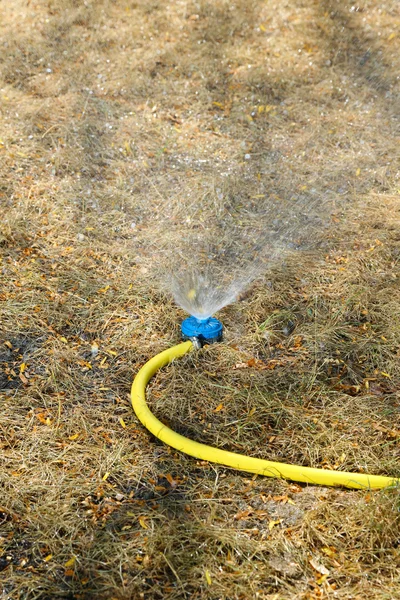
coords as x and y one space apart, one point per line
207 331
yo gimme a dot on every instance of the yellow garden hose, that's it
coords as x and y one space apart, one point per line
230 459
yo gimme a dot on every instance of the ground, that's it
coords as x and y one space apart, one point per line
117 118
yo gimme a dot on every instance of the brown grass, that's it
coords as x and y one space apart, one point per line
122 113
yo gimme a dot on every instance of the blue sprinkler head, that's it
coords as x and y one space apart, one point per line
205 331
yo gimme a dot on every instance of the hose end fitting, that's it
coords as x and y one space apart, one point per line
201 332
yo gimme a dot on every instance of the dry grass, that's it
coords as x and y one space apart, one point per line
122 113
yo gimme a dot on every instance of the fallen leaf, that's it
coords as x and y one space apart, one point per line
23 378
329 550
208 576
172 482
143 522
272 524
70 562
240 365
69 573
103 290
318 567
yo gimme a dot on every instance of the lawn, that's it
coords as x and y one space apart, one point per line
124 126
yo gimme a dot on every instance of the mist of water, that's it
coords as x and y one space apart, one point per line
204 293
226 241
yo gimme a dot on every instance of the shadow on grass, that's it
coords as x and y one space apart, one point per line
358 52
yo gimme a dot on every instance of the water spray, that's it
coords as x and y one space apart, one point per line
197 332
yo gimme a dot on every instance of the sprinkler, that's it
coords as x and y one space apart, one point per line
202 331
198 332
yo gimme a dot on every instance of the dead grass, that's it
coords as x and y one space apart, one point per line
117 120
